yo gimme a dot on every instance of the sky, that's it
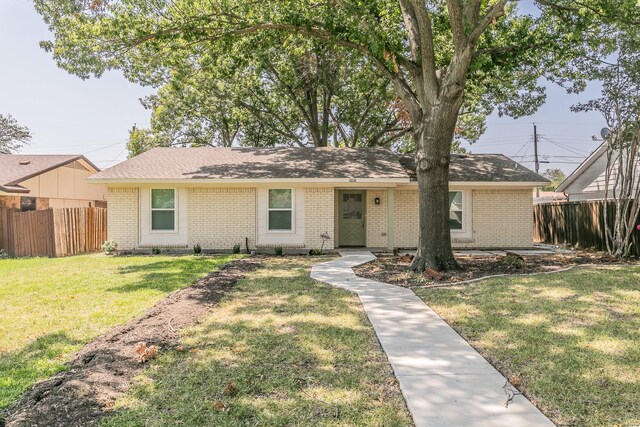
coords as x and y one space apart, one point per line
92 117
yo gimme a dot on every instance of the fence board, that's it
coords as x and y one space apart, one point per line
579 224
52 232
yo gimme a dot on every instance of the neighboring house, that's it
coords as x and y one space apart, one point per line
588 181
217 197
40 181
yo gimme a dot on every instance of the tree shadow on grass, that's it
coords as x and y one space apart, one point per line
289 351
40 359
571 340
168 275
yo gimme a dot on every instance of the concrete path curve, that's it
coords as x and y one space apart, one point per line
445 382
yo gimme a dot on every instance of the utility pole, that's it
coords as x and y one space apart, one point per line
535 155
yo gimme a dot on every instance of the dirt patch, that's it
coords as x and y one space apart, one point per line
395 269
104 369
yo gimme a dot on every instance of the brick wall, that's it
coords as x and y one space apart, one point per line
320 212
219 218
10 202
376 218
405 228
123 218
501 218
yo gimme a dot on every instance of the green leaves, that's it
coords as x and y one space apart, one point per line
12 135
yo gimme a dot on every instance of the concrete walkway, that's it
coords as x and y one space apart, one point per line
445 382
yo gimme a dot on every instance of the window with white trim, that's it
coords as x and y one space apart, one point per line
280 215
455 210
163 209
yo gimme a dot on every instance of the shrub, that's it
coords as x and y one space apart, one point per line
314 252
279 251
513 261
197 249
236 249
3 254
109 246
155 251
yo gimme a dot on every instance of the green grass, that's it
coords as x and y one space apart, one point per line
50 307
572 340
279 350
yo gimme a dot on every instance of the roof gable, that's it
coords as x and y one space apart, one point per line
15 168
590 169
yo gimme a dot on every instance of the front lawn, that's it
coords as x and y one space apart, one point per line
570 341
51 307
280 350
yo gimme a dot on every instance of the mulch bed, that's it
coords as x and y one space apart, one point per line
104 369
395 269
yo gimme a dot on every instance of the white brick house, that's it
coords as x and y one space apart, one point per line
221 197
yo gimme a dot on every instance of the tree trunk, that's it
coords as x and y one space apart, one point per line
433 140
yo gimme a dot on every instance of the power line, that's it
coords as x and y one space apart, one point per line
106 146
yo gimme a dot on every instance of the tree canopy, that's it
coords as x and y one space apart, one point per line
556 176
12 135
298 93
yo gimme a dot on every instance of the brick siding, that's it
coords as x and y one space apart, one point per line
219 218
123 217
501 218
319 211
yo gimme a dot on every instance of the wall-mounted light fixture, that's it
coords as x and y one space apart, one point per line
376 200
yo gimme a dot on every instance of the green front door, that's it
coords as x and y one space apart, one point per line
351 218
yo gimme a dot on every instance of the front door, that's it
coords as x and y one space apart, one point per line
351 218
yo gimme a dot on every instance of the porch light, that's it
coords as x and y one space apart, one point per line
376 200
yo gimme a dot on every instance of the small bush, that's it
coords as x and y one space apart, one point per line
3 254
197 249
513 261
315 252
155 251
109 246
236 249
278 250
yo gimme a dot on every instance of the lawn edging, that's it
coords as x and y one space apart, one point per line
105 368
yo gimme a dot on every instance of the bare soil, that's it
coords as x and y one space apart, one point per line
395 269
104 369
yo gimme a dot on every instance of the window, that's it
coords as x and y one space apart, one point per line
27 203
163 209
280 210
455 210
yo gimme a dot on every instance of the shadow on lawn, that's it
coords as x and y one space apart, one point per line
572 340
280 350
169 275
40 359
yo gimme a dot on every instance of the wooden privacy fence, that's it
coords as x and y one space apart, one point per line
52 232
579 224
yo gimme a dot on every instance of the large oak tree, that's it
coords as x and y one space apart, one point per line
450 61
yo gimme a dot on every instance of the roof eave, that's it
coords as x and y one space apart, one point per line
98 180
581 168
14 189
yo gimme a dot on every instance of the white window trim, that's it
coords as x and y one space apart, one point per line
292 210
175 211
465 226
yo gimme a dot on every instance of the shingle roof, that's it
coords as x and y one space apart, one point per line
481 168
303 163
257 163
15 168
